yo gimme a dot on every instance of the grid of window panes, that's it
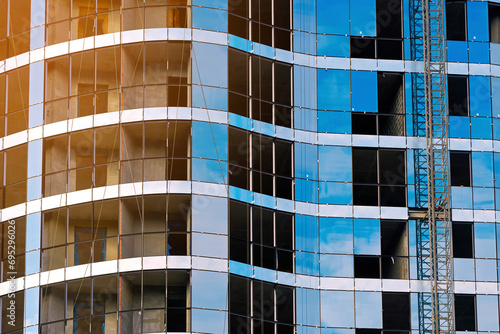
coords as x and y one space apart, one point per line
14 27
155 225
263 21
70 20
132 302
116 78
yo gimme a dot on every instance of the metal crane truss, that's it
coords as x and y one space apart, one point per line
431 166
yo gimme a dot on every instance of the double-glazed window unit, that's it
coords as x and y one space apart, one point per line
390 119
89 82
458 95
14 27
13 180
463 240
79 18
134 302
262 21
260 88
260 307
393 261
379 177
456 20
7 228
396 315
116 229
460 169
260 163
134 152
388 43
261 237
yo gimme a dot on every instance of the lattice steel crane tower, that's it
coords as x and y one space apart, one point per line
432 189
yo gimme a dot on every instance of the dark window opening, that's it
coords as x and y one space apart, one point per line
389 18
364 123
366 266
394 247
456 20
264 305
362 47
460 173
389 49
465 312
458 95
368 331
261 237
391 103
494 18
379 177
463 241
396 311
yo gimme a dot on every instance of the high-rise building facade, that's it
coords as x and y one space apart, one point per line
238 166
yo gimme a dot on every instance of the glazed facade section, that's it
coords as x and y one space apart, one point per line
239 166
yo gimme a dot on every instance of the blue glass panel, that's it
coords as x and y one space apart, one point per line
487 313
480 128
333 90
337 309
363 18
463 269
304 42
336 265
210 140
33 234
497 199
484 198
209 19
496 128
412 238
497 169
304 15
34 188
308 330
335 163
304 154
37 38
334 122
333 16
415 319
495 96
35 115
209 214
306 191
36 83
456 51
482 169
333 46
307 263
306 231
484 240
477 21
206 71
367 236
337 331
208 321
309 301
461 197
459 126
335 193
486 270
368 309
209 97
480 96
239 43
479 52
410 166
35 158
336 235
364 91
31 306
241 269
213 298
495 53
305 119
37 12
210 245
32 262
221 4
305 91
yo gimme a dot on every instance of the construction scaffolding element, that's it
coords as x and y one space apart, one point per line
438 212
432 198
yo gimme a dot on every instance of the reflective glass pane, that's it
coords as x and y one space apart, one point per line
337 308
484 240
367 236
